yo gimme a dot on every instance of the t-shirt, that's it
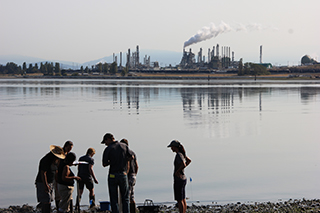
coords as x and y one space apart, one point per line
177 162
117 155
83 169
46 165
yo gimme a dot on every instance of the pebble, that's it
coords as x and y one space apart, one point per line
291 206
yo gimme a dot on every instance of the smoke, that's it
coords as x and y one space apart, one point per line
210 32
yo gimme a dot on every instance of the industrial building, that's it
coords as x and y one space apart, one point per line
215 60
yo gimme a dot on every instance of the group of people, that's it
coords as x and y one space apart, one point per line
55 175
56 180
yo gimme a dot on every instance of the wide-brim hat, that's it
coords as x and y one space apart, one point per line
175 143
57 151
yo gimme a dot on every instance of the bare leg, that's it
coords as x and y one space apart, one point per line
182 205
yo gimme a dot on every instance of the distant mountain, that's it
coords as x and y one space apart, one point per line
165 58
18 59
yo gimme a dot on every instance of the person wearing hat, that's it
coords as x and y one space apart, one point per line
45 177
181 161
117 156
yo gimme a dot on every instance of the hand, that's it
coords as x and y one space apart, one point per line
77 178
178 175
47 188
96 181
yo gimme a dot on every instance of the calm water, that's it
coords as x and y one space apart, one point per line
248 141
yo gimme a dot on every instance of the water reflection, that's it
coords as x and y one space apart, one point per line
214 100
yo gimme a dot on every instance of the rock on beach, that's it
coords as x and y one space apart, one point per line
291 206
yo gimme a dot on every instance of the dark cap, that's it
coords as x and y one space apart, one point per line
106 136
175 143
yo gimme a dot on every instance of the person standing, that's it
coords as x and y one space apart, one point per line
117 155
67 147
85 172
46 175
181 161
132 174
65 182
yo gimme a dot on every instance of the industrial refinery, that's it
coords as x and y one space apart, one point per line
217 58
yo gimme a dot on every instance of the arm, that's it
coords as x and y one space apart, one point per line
66 173
105 161
188 161
44 180
92 173
181 167
137 167
105 164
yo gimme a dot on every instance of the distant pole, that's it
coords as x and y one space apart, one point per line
191 188
260 54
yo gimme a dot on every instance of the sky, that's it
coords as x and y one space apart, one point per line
83 30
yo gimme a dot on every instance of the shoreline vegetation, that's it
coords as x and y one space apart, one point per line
292 206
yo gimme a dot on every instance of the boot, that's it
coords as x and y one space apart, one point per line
71 206
132 207
46 208
77 208
92 201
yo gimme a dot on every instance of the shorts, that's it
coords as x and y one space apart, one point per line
179 188
42 195
132 183
87 182
56 191
66 196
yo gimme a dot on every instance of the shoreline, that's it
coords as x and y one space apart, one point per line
172 76
296 205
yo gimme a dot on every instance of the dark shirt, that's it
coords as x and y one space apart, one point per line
83 169
46 165
60 170
117 156
132 169
177 163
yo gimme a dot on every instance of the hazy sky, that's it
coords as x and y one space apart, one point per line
84 30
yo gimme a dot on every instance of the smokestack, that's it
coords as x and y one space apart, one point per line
128 58
260 54
232 56
212 55
137 62
120 59
217 50
209 56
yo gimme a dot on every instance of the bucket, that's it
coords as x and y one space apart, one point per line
104 205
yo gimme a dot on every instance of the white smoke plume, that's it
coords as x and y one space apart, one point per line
210 32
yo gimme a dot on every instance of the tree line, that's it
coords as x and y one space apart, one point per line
251 69
54 69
